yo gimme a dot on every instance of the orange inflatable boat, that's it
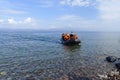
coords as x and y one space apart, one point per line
70 39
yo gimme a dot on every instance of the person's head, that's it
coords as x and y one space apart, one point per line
71 35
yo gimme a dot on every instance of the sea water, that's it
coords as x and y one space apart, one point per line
40 55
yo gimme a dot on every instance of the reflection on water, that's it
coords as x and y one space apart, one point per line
73 48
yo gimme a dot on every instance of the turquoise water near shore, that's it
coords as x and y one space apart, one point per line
41 55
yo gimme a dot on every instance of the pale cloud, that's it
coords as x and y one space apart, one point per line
9 7
109 9
65 22
80 3
28 20
45 3
26 23
12 11
11 21
68 17
76 2
73 22
1 20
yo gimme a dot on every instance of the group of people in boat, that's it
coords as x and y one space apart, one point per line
67 37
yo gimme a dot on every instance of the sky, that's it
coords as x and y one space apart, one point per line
79 15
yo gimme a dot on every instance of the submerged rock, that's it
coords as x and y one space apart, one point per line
65 77
117 65
9 78
101 77
3 73
111 58
114 60
30 77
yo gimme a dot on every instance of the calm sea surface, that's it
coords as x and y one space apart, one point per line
41 56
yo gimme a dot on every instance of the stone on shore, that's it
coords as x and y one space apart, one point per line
111 58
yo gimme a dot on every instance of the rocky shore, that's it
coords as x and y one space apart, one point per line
66 71
114 74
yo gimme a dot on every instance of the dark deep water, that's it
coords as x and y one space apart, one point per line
41 56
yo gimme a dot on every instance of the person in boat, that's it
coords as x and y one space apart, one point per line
70 36
65 37
73 36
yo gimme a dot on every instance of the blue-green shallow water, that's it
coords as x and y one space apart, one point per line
40 55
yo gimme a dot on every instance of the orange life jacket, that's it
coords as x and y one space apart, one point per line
66 37
74 37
